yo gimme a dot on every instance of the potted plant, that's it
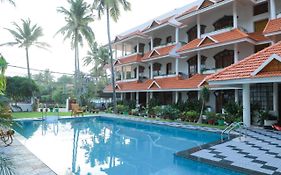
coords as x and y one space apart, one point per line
220 119
266 119
211 117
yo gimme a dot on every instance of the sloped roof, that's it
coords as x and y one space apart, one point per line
170 83
129 59
273 26
232 35
163 51
246 67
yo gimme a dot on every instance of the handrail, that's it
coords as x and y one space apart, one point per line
230 128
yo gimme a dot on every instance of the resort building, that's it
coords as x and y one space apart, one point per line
231 46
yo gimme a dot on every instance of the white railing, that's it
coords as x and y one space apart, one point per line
230 128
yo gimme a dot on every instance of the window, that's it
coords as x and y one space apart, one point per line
192 96
141 48
192 33
260 25
224 22
169 69
262 96
157 42
169 39
156 69
224 59
223 98
260 8
192 65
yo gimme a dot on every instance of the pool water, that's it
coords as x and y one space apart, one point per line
100 146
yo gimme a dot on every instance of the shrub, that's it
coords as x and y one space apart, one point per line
169 112
234 112
191 116
158 110
193 105
122 108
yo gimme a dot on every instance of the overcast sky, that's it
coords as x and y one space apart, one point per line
60 57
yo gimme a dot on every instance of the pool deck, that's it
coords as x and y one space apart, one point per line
24 162
259 152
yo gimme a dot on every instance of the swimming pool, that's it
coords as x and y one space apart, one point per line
99 146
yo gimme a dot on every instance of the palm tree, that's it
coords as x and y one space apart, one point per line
77 28
112 9
99 57
26 36
10 1
204 95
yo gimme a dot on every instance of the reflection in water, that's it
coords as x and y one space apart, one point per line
115 147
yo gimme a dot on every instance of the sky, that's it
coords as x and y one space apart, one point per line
59 57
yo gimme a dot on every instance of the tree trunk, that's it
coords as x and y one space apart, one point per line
201 113
27 63
77 70
111 63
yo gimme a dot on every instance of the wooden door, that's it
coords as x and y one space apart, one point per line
260 25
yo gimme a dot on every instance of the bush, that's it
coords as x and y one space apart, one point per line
191 116
194 105
122 108
151 104
158 110
234 112
169 112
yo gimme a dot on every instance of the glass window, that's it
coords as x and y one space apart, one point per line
169 39
169 69
224 22
224 59
262 96
260 8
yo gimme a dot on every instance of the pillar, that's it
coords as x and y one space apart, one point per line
122 73
138 72
177 66
177 35
131 96
198 62
176 97
275 98
121 95
246 105
272 9
116 52
138 47
151 70
236 94
198 27
147 98
151 43
235 22
137 98
236 53
123 49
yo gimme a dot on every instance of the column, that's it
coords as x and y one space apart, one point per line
177 35
236 94
275 98
272 9
246 105
177 66
137 98
176 97
138 47
122 73
121 95
138 71
116 52
198 27
147 98
199 94
151 70
131 96
123 49
236 53
235 22
151 95
198 62
151 43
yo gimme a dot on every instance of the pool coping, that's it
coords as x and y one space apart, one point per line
184 154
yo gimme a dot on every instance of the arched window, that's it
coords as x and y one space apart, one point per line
193 67
224 58
169 69
224 22
157 42
169 39
192 33
156 69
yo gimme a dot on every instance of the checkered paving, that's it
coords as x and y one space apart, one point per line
259 151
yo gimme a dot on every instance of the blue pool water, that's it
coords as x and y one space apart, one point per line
100 146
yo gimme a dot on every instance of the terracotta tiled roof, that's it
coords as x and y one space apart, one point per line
247 66
135 33
258 36
129 59
164 83
192 9
163 51
232 35
273 26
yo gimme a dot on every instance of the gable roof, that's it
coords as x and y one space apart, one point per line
225 37
205 3
129 59
272 27
163 51
250 66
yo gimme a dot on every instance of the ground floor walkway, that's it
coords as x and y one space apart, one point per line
25 163
257 153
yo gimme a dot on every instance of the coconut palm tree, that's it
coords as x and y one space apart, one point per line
112 10
99 58
26 36
10 1
77 28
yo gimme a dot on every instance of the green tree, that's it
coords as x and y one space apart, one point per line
26 36
3 67
112 9
77 28
204 95
20 88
